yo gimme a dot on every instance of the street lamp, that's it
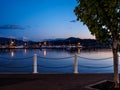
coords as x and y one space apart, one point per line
78 43
11 43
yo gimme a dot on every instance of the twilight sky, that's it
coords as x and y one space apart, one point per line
40 19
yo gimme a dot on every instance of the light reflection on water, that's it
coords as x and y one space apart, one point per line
12 53
55 53
45 52
25 51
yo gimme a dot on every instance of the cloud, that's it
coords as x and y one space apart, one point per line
73 21
12 37
12 26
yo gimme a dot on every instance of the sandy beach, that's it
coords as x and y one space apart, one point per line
50 81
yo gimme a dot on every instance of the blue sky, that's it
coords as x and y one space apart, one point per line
40 19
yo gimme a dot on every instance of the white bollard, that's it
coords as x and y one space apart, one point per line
75 64
35 64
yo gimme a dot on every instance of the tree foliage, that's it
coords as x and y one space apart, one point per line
103 20
101 16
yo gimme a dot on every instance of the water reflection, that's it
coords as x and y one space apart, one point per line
12 53
78 50
25 51
54 52
45 52
57 53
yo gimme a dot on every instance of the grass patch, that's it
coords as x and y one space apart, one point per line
105 85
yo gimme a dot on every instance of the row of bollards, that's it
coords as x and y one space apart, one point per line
35 64
75 64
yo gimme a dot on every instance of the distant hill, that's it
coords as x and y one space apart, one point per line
68 41
72 39
53 39
75 41
6 41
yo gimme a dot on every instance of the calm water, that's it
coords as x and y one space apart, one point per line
21 60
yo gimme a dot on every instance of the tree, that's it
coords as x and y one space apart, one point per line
103 20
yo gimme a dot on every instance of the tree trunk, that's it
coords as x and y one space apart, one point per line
115 61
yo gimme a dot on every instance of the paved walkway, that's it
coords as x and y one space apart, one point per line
50 81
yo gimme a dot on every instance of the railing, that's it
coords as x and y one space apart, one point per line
36 65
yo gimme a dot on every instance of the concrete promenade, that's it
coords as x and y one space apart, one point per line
50 81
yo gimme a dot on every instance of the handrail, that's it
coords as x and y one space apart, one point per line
55 58
94 58
95 67
76 65
3 66
67 66
5 58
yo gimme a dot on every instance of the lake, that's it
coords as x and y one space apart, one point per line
56 60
